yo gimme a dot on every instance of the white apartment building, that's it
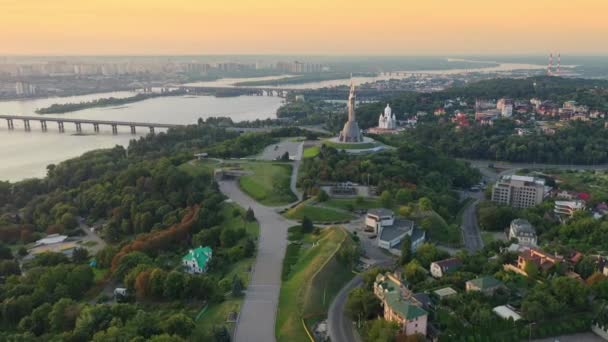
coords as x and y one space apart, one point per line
519 191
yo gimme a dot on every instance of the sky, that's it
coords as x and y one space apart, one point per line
326 27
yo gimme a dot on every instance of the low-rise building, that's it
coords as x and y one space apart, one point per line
488 285
505 312
568 208
197 260
378 217
543 261
445 292
442 267
400 305
523 231
391 231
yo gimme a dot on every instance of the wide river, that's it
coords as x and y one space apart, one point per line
26 154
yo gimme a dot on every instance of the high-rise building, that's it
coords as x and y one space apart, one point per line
519 191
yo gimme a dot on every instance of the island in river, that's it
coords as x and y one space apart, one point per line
60 108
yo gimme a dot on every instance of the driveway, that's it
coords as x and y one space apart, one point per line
258 315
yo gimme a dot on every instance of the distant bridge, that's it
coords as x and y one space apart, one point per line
79 122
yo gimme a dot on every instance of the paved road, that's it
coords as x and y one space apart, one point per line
275 151
294 171
258 314
470 229
340 327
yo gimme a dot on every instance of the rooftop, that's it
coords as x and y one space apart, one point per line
450 263
486 282
200 254
405 307
505 312
400 228
444 292
380 212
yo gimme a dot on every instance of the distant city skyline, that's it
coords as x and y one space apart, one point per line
313 27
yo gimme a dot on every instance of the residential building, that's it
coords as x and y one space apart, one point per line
445 292
568 208
400 305
505 312
197 260
523 231
488 285
543 261
442 267
519 191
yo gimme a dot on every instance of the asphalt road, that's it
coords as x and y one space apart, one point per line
470 229
340 327
275 151
258 315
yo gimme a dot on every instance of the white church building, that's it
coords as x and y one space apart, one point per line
387 123
387 119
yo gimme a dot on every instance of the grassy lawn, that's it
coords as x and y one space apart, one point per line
311 284
197 168
347 203
317 214
269 184
216 315
350 146
231 221
311 152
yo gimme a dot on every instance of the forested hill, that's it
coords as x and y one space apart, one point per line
593 93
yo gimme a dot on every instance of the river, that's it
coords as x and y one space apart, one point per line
358 80
26 155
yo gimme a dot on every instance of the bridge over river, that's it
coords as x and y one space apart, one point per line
79 122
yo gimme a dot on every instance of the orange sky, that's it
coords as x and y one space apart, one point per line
62 27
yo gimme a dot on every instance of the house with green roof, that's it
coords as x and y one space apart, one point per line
400 304
197 260
487 285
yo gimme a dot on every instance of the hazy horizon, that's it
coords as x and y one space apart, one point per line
314 27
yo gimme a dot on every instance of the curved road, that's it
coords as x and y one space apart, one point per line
340 327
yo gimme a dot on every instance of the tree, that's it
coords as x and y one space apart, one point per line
362 304
322 196
5 252
249 215
531 270
382 331
237 286
403 196
307 226
63 315
386 199
179 324
80 255
174 285
406 250
414 273
425 204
